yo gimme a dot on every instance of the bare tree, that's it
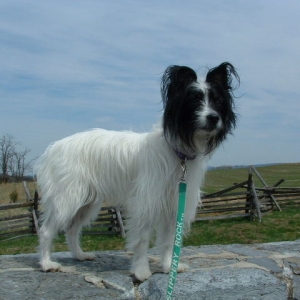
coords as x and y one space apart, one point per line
7 149
18 164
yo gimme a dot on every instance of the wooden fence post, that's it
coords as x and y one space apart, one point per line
28 196
254 195
265 184
248 196
36 200
35 228
120 221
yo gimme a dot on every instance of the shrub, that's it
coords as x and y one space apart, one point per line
14 196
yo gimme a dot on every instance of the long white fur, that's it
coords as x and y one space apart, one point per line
139 172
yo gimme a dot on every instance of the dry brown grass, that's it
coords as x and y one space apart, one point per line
7 189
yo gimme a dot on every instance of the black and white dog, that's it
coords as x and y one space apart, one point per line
138 172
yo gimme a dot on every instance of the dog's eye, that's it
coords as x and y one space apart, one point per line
197 99
218 101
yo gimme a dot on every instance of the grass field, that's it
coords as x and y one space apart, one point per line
276 226
221 178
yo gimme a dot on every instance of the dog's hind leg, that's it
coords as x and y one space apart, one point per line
83 217
46 234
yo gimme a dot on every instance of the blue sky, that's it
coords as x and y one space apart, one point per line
68 66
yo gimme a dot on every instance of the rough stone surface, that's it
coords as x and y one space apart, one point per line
234 272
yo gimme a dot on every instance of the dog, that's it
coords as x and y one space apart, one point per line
138 171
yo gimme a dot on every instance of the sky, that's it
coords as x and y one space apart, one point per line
68 66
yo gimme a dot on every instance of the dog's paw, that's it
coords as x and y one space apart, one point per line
50 266
182 267
142 274
86 256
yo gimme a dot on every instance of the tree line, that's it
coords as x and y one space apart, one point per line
13 163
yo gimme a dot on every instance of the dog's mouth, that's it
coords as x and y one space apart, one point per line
204 135
209 129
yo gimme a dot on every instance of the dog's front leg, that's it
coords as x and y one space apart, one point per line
165 241
166 260
140 264
138 242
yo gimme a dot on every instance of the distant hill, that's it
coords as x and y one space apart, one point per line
246 166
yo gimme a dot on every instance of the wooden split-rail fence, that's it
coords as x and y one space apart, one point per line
242 200
23 218
247 200
20 218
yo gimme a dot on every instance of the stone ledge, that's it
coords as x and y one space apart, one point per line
259 271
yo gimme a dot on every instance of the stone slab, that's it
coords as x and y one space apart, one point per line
261 271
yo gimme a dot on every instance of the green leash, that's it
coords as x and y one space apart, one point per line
179 232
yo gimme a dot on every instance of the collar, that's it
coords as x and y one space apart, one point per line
183 156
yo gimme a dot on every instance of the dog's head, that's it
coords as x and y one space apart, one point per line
198 115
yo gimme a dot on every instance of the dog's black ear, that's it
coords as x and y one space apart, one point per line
175 81
222 75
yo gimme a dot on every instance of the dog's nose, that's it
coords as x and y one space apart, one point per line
212 119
